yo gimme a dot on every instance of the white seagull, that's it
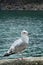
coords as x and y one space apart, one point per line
19 44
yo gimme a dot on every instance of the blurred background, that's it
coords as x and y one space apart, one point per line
21 4
11 25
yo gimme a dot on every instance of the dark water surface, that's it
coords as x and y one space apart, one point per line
13 22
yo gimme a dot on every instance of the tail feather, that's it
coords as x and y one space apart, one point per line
7 54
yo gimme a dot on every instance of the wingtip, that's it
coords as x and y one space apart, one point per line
6 54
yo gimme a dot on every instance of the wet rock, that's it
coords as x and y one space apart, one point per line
24 61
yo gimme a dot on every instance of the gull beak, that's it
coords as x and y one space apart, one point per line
29 33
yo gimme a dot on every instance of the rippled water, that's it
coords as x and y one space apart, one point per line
13 22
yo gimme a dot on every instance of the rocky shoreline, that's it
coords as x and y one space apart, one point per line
29 6
25 61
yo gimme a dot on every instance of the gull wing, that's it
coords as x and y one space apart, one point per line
16 47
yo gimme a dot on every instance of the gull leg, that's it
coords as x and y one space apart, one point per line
19 57
22 56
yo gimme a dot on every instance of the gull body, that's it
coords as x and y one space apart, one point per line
19 44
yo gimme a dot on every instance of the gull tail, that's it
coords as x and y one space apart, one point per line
6 54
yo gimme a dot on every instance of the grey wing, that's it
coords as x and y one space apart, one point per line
20 47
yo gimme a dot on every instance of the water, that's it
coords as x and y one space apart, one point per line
12 23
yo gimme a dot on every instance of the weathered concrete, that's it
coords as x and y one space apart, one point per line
32 6
26 61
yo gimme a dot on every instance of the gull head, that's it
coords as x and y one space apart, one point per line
24 36
24 33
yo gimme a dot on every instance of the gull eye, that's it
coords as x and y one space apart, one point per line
24 32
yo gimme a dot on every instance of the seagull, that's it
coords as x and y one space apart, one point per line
19 45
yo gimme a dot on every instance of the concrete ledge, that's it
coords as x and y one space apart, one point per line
25 61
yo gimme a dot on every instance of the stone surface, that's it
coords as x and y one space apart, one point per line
28 6
25 61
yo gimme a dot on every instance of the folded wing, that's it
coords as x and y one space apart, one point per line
16 47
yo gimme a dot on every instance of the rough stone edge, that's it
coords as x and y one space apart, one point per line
26 61
29 6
